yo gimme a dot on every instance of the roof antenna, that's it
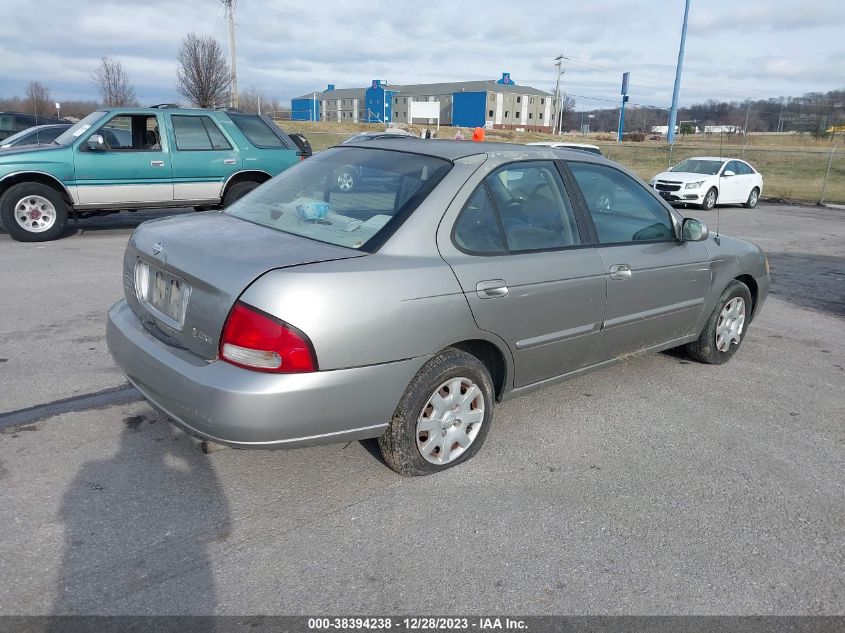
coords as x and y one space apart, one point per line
718 214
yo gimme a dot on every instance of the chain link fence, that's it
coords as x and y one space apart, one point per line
810 175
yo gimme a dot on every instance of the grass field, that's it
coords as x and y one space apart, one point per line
793 165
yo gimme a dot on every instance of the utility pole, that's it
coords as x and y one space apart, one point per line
233 62
673 112
747 114
558 114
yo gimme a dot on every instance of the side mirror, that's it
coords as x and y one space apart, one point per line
96 142
693 230
728 173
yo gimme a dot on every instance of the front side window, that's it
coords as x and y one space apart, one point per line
256 130
533 207
622 209
131 132
313 199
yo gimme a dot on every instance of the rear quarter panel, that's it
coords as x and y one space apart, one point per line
369 310
270 160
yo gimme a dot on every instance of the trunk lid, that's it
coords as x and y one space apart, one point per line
206 260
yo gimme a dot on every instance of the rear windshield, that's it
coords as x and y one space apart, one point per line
346 196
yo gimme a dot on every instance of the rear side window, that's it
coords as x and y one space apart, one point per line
477 229
622 210
256 130
197 133
533 207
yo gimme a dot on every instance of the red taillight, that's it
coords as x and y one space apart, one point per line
256 340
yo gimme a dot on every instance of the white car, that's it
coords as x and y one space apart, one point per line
584 147
707 181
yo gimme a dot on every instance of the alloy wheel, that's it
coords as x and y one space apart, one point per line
35 214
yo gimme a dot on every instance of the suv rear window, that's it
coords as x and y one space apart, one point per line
309 198
256 130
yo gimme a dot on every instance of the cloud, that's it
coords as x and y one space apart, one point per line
757 48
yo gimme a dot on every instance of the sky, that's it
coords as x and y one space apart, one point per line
734 50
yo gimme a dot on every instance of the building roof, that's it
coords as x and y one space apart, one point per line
410 90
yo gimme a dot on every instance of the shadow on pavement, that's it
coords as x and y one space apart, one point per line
113 222
139 526
810 281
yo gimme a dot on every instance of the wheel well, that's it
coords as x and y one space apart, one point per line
43 179
493 359
749 281
246 176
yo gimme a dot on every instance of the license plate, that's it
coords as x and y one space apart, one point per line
163 293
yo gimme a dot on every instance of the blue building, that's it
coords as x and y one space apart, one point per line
499 104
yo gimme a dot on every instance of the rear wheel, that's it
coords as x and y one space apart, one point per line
33 212
238 191
443 416
753 198
723 333
709 199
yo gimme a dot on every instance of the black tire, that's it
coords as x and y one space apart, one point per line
399 443
753 199
19 192
238 191
709 201
345 180
704 349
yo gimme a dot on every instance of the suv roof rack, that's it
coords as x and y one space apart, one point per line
227 109
163 106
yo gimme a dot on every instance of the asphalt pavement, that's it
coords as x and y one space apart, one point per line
658 486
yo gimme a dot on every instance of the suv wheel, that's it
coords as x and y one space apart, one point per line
345 180
443 416
238 191
33 212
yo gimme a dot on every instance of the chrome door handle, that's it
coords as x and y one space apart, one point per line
491 288
156 163
229 161
620 271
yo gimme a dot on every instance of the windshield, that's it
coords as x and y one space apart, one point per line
79 128
345 196
698 166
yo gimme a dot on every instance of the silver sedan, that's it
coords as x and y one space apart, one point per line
463 275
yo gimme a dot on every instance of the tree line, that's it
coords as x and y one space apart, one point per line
811 113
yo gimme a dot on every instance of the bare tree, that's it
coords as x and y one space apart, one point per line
113 84
251 100
203 75
38 99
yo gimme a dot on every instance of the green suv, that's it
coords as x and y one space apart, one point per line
130 158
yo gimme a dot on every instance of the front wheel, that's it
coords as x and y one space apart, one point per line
443 416
753 198
723 333
33 212
709 199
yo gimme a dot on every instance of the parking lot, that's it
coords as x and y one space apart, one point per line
659 486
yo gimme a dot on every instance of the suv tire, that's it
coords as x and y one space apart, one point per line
238 191
33 212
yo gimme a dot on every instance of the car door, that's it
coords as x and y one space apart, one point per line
731 187
529 276
746 179
656 284
131 167
204 157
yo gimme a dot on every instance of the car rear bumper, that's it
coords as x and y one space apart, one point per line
247 409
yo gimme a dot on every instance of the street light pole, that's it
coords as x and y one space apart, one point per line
673 112
559 104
